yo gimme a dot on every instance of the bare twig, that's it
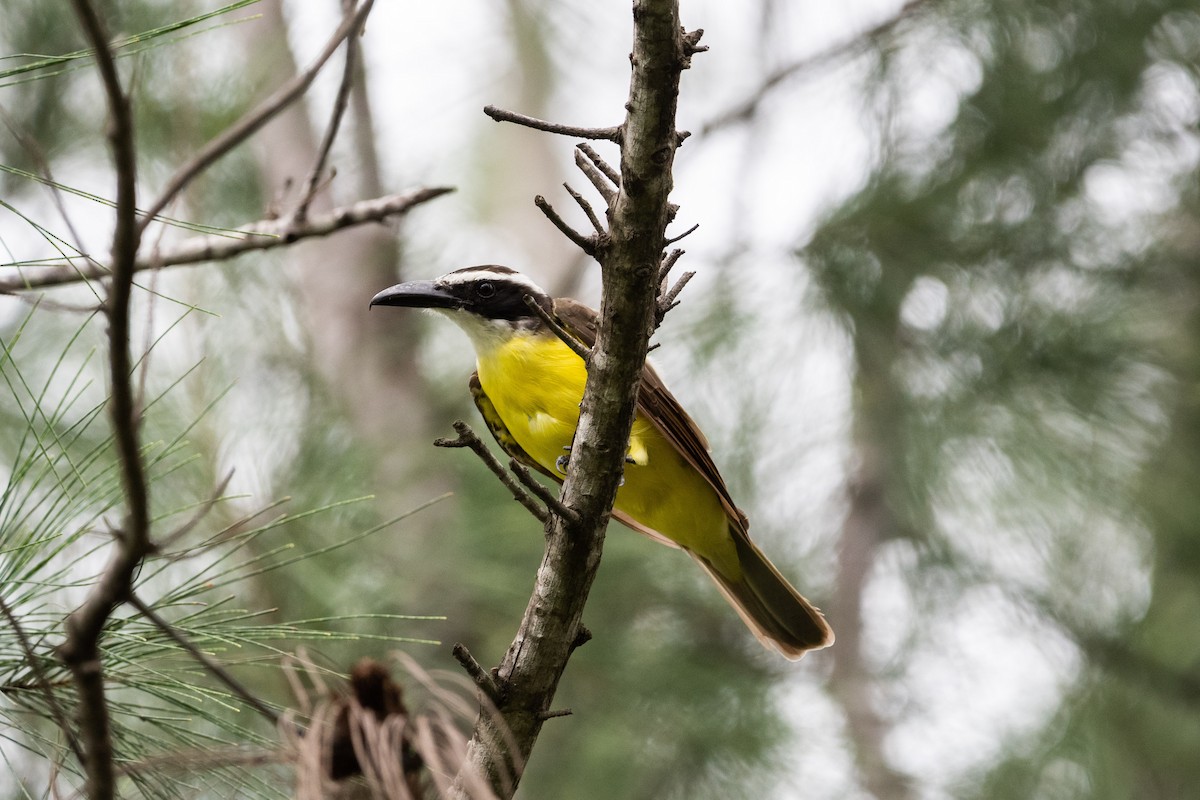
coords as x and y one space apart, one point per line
668 301
585 243
612 134
561 712
562 333
596 176
587 209
80 650
748 107
683 235
467 438
36 155
600 163
262 235
241 130
218 671
341 101
43 681
208 505
482 678
229 531
665 269
545 495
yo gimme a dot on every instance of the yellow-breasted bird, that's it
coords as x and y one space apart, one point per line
528 386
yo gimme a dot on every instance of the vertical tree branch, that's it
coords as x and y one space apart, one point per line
340 103
868 523
871 521
81 650
529 673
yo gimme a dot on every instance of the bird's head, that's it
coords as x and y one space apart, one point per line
485 301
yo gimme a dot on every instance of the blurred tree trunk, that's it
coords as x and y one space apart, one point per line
523 163
367 361
870 521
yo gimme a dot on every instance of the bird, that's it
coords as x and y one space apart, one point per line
528 385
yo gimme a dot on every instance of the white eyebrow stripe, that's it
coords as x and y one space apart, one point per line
481 274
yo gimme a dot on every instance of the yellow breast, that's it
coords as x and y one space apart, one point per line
536 384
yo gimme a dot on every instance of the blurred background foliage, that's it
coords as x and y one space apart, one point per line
943 339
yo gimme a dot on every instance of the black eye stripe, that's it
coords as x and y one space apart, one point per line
497 298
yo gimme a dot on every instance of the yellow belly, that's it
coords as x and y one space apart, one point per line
536 384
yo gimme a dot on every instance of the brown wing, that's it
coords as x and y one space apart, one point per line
659 406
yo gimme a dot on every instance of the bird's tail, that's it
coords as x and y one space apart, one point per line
776 613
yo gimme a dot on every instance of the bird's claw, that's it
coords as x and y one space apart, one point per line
561 463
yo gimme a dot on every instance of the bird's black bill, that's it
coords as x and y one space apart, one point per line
417 294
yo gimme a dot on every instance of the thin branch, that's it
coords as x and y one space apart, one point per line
467 438
482 678
683 235
582 202
228 532
612 134
613 176
218 671
562 333
249 124
668 301
585 243
596 176
43 681
561 712
545 495
341 101
36 155
262 235
165 542
80 650
748 107
667 263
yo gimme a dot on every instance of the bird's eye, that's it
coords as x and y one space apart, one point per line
485 290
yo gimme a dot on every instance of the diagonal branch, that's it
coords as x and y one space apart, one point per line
341 101
244 128
43 681
598 171
467 438
585 243
577 347
218 671
748 107
262 235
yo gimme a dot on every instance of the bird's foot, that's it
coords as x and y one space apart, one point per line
561 463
